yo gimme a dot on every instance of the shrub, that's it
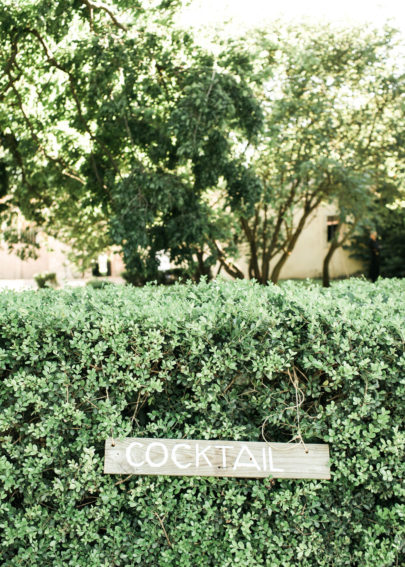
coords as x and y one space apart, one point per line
202 362
99 284
165 277
47 279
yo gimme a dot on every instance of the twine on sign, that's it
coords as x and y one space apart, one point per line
299 400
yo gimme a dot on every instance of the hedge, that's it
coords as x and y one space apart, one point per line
211 361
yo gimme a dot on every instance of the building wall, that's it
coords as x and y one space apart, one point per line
305 260
52 257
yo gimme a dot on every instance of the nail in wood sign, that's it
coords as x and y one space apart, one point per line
183 457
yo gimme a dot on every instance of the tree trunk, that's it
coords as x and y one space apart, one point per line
275 275
325 269
334 245
254 270
276 232
202 269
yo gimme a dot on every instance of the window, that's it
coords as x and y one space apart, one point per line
332 225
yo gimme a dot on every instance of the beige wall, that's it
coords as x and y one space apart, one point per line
52 257
306 259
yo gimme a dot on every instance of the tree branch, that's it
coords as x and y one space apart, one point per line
276 232
308 208
251 237
334 245
163 528
10 142
91 6
35 136
228 266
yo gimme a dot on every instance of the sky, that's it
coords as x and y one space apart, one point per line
253 13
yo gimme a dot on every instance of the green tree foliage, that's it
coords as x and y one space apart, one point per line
112 119
201 362
389 223
115 128
332 105
391 230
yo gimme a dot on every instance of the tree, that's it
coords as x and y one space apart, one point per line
391 227
113 119
378 182
115 128
388 221
360 211
330 100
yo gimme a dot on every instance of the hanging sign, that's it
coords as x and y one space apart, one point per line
183 457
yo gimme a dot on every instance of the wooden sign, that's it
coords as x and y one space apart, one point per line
183 457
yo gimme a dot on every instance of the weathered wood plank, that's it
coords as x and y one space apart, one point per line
184 457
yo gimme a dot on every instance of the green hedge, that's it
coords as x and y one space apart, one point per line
201 362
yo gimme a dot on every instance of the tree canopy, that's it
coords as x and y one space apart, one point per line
112 118
333 115
117 128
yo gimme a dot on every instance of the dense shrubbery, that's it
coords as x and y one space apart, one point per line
47 279
207 361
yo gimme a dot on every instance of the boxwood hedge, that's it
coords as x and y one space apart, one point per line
211 361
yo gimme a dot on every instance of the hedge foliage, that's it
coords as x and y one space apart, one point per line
202 362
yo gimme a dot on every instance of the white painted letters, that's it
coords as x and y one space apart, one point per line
272 469
129 455
199 454
174 455
165 454
224 448
252 461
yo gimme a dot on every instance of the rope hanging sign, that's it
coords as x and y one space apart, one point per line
184 457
